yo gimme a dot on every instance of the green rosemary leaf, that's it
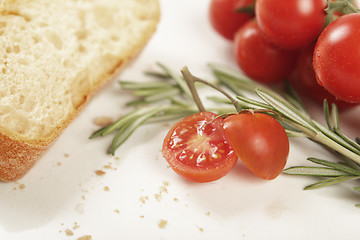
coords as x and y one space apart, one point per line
285 109
254 103
335 116
182 84
314 171
128 85
338 166
331 181
327 114
356 189
129 128
156 74
161 95
121 121
152 91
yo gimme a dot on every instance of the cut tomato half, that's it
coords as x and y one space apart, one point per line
197 148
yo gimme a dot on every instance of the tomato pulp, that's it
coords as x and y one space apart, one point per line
197 148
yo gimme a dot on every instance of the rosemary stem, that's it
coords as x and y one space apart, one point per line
321 138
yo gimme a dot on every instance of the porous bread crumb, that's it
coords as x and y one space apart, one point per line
22 186
103 121
66 155
68 232
162 223
207 214
59 163
86 237
142 216
144 199
76 226
100 172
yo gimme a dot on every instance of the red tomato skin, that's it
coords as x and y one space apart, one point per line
259 58
336 59
260 142
305 83
291 24
224 19
180 143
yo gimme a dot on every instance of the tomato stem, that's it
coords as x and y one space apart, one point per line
191 84
192 79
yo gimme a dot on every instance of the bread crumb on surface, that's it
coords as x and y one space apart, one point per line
106 189
116 211
103 121
59 163
162 223
66 155
68 232
100 172
76 226
86 237
22 186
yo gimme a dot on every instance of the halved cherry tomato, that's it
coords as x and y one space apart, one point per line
260 142
197 148
224 18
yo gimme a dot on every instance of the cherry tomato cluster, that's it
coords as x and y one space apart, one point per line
205 147
314 44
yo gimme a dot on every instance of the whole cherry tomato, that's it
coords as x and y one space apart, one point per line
259 58
260 142
337 57
291 24
305 83
224 18
197 148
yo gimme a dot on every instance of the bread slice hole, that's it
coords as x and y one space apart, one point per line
54 39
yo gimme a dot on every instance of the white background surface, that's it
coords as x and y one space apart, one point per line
63 192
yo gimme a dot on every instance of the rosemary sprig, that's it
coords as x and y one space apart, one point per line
171 97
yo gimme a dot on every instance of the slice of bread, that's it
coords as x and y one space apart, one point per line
54 54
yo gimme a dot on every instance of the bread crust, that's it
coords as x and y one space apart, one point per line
18 156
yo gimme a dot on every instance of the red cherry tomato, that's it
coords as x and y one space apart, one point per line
259 141
291 24
304 81
197 148
337 57
259 58
224 19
